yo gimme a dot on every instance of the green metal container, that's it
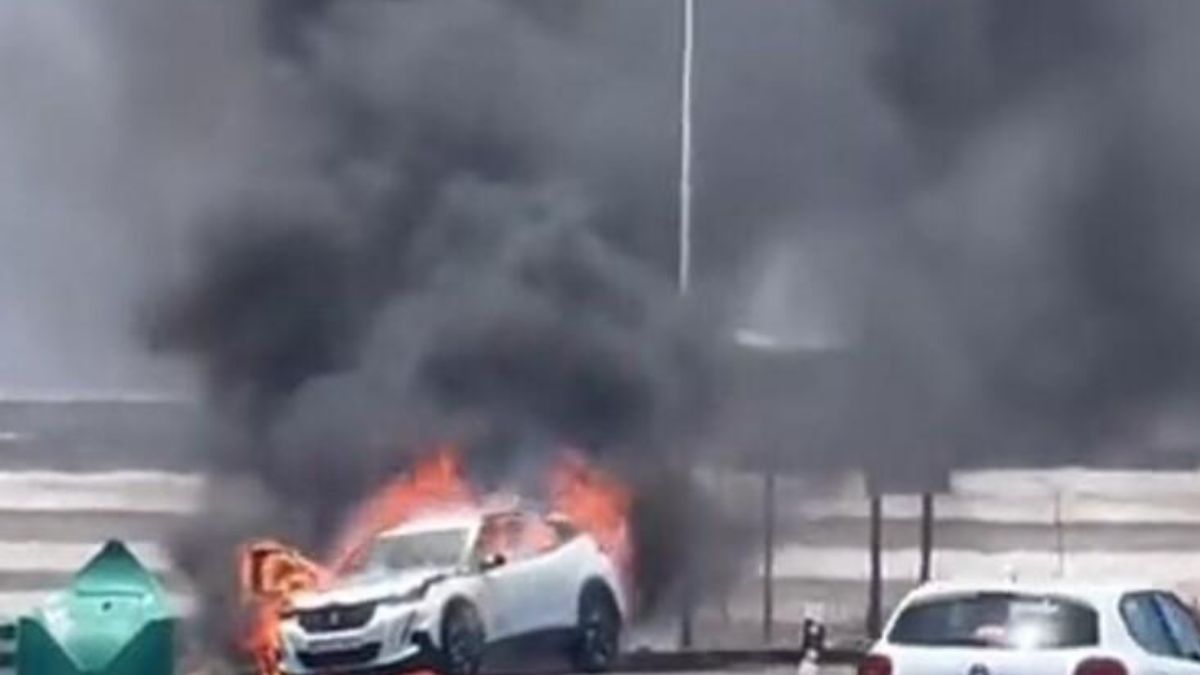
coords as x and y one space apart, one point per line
114 619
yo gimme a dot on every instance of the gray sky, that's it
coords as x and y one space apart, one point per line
115 130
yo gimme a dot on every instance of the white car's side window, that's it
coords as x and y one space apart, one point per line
521 537
1181 624
1147 625
518 536
540 537
498 536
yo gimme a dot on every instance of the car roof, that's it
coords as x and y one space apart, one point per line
465 518
1073 588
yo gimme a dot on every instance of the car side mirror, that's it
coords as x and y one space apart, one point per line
493 561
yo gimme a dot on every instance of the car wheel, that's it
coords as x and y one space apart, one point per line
462 639
598 633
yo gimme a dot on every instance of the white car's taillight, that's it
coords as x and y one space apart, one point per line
1101 666
875 664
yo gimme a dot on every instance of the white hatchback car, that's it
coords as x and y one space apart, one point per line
1057 627
436 592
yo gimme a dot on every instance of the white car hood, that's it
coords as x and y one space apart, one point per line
370 587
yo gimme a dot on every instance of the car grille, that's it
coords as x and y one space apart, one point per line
334 618
348 657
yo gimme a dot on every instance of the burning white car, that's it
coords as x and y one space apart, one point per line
438 592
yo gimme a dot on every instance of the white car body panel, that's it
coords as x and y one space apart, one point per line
1115 640
538 593
541 593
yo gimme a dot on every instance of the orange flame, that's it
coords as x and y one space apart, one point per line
271 574
435 484
598 504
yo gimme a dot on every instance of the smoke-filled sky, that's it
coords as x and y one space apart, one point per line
987 204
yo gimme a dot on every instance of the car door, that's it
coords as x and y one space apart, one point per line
492 554
553 571
1152 621
511 587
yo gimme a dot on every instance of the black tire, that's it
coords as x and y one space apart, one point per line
597 641
462 640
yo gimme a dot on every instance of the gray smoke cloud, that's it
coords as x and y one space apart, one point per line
462 248
983 209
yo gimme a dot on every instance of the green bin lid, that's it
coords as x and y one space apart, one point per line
111 600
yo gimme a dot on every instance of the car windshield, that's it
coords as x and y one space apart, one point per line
435 548
997 621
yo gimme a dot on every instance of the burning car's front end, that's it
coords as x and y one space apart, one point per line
383 615
328 633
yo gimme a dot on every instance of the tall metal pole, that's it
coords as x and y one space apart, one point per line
685 238
685 148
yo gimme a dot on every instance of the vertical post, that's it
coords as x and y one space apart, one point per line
926 537
728 488
685 235
768 580
1059 543
687 589
685 619
875 590
685 148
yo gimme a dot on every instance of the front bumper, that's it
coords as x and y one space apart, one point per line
395 639
413 659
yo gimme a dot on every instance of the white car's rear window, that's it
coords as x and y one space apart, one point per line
997 621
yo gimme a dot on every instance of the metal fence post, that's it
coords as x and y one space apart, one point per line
926 537
875 591
768 580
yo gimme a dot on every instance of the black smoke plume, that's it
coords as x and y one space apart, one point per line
973 218
978 215
450 268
